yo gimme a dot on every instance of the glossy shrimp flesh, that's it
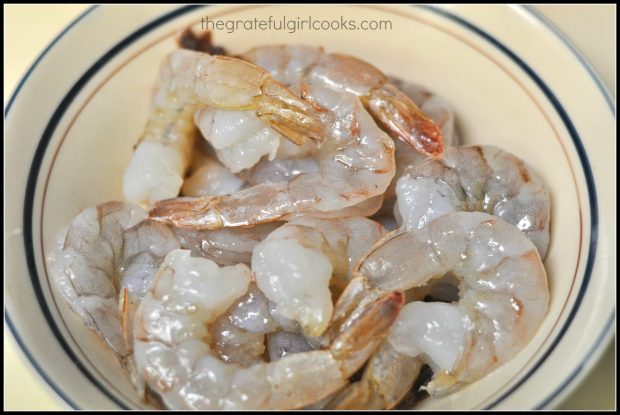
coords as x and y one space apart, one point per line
240 138
174 356
503 293
476 178
356 163
392 109
192 80
111 254
296 264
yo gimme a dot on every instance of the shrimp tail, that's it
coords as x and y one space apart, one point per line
288 115
358 336
403 119
248 207
358 395
187 212
352 302
388 377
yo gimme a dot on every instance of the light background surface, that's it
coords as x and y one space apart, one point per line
29 29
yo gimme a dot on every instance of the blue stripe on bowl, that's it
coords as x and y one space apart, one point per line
598 343
42 55
31 187
34 363
570 45
57 116
583 158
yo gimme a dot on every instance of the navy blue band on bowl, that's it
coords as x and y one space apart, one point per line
32 183
583 158
584 62
75 90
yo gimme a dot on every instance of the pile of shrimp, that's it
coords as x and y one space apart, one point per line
301 231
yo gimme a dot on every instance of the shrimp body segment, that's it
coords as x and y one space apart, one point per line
174 356
192 80
296 264
476 178
502 289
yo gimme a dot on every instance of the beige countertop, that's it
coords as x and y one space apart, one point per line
29 29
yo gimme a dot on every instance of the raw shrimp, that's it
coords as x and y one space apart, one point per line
145 246
441 113
143 253
388 377
476 178
191 80
173 353
288 164
348 238
296 264
433 105
392 109
106 263
111 254
502 289
356 163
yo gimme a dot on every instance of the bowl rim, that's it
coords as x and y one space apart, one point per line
602 339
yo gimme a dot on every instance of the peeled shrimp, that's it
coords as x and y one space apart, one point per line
296 264
392 109
356 163
111 254
173 353
476 178
406 156
191 80
107 262
502 289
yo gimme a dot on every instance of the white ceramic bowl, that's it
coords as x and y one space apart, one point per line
512 79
